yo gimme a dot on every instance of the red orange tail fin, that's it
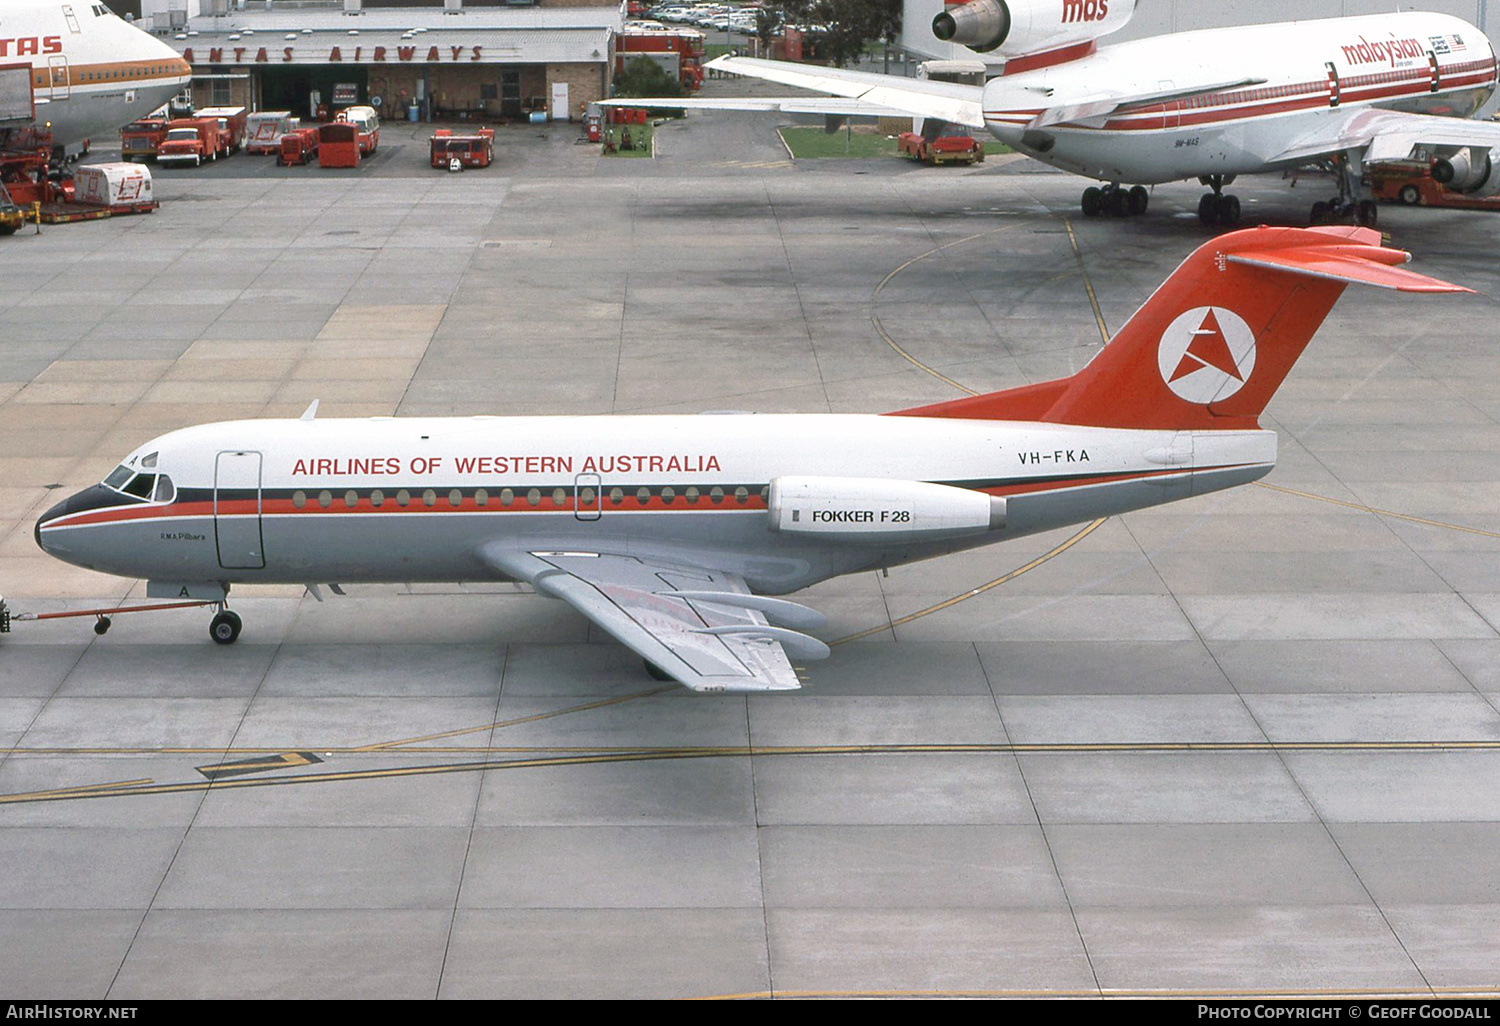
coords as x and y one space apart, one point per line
1214 342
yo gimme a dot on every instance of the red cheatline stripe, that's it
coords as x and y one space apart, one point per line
283 507
1232 108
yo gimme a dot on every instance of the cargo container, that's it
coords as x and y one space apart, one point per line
264 129
121 187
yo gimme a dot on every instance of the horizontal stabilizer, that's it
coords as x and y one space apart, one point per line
1357 261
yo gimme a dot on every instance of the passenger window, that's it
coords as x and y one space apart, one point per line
164 490
142 486
507 496
559 496
299 498
325 498
377 498
403 497
351 498
668 494
534 496
481 498
455 498
616 495
429 498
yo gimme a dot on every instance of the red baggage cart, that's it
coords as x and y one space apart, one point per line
338 144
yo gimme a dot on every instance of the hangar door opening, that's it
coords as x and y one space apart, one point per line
292 87
237 511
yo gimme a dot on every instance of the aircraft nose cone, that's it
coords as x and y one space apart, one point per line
56 511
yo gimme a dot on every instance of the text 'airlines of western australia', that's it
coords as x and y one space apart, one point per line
91 72
675 534
1208 104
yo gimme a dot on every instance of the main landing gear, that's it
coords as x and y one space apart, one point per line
1339 208
1115 200
1347 205
1218 208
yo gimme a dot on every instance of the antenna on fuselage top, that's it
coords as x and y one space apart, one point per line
311 411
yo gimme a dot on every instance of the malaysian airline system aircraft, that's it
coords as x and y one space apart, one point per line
91 72
676 534
1208 104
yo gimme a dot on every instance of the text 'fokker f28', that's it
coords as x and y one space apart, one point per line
676 534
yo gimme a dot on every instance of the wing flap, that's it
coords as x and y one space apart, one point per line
1386 135
701 626
880 94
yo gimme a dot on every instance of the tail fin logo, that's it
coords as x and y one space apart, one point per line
1206 355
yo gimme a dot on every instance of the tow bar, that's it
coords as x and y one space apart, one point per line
102 624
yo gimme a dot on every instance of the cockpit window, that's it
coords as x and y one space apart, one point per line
149 460
164 490
118 477
142 486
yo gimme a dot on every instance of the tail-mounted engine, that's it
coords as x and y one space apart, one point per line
1473 172
1017 27
880 511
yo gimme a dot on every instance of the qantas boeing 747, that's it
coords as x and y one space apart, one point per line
91 72
676 534
1209 104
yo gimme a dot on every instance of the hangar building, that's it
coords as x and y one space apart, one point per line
445 58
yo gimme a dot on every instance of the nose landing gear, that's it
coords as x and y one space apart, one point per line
1217 207
225 627
1116 200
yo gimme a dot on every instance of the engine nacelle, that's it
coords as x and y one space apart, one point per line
880 511
1017 27
1469 171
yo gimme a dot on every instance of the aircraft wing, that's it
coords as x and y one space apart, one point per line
863 92
826 105
703 627
1104 103
1388 135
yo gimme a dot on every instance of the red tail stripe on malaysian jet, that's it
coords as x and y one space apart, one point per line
1274 286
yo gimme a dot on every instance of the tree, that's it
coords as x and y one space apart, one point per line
644 77
851 24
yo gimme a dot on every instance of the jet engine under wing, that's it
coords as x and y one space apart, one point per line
703 627
1387 135
948 101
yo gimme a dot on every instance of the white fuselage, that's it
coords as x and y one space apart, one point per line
91 72
1303 71
415 499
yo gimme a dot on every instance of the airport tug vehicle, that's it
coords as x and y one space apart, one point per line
678 534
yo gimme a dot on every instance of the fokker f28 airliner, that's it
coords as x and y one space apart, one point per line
91 72
676 533
1208 104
